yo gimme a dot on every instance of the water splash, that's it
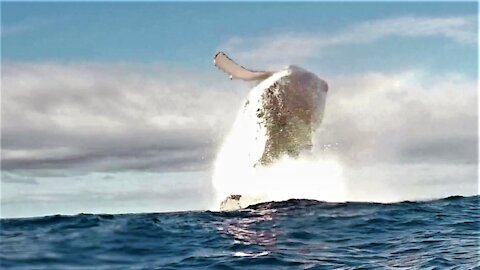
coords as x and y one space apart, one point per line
319 179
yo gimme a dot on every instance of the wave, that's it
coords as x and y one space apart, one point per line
292 234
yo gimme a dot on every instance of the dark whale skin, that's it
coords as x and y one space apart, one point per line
292 108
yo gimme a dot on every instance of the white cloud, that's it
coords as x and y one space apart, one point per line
56 115
113 117
287 47
406 117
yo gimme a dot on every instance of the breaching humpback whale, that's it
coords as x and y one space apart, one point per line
278 119
290 109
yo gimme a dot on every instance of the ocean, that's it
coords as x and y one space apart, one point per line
293 234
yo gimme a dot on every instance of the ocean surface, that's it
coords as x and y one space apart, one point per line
294 234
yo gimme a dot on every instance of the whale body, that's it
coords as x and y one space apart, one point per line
291 108
278 119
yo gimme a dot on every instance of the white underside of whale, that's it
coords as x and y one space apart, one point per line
243 147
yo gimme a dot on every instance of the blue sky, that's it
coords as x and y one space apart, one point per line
185 33
124 95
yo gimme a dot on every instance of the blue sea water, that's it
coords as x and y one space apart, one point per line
294 234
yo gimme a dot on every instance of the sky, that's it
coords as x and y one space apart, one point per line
117 107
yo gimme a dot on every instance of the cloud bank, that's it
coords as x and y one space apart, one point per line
406 117
111 118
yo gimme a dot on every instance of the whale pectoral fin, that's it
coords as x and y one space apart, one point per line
236 71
